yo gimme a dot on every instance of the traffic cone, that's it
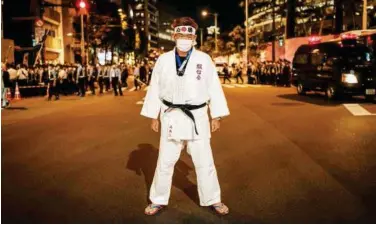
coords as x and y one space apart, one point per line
9 95
17 94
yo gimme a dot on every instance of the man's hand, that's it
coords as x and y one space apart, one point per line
155 125
215 125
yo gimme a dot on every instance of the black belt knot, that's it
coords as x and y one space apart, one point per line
186 108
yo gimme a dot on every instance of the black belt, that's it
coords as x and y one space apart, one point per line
186 108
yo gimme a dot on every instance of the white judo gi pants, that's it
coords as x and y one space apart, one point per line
207 181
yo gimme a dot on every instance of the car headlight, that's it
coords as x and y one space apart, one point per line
349 78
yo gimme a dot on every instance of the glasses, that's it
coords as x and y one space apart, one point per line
185 36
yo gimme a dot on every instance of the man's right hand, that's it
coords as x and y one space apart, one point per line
155 125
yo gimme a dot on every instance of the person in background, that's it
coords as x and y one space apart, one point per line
226 73
150 72
124 76
22 75
81 79
53 84
92 76
100 72
136 74
249 74
238 76
6 85
286 72
13 78
143 73
63 76
116 79
106 77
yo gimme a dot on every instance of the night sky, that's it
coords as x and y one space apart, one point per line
230 13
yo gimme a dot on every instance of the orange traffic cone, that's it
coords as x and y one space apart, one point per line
17 94
9 95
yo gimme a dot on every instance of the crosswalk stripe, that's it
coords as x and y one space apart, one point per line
357 110
240 85
254 85
228 86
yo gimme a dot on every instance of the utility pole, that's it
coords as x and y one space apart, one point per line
82 5
215 31
82 39
273 31
201 38
364 21
246 32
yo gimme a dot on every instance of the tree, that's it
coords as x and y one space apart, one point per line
237 36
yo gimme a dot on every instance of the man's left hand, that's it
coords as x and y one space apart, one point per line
215 125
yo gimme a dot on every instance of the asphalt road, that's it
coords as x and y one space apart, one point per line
281 158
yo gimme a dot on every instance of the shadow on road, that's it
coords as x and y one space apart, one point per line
16 108
319 99
143 161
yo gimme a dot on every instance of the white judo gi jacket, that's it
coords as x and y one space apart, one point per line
200 84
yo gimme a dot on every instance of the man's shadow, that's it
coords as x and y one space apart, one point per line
143 161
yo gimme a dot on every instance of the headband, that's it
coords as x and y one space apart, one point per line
185 30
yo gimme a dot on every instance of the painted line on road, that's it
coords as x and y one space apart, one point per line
240 85
254 85
357 110
228 86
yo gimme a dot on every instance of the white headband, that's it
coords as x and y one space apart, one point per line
185 30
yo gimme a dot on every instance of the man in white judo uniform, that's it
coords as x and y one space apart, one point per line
184 85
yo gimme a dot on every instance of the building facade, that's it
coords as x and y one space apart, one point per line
299 18
146 20
30 22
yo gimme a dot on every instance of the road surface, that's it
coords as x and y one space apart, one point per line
281 158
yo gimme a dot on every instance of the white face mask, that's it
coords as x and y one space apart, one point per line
184 45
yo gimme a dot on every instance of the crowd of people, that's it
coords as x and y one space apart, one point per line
75 78
273 73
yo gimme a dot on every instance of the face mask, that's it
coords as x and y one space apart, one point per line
184 45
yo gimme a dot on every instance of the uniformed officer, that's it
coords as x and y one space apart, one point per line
81 79
100 71
115 73
106 77
52 79
92 76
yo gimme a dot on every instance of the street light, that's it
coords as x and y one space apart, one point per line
205 13
82 6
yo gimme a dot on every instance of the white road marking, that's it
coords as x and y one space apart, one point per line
254 85
140 103
228 86
357 110
240 85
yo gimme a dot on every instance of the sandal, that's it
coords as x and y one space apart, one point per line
220 209
153 209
